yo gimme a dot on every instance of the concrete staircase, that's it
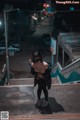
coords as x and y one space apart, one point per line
65 116
19 98
28 81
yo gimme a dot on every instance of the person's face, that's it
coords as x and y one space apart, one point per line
36 58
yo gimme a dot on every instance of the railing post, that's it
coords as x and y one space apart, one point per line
63 58
6 45
57 48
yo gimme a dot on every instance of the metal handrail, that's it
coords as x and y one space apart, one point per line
69 68
70 73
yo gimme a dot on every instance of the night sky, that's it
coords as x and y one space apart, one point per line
35 4
23 4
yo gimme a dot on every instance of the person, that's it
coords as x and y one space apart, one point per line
41 72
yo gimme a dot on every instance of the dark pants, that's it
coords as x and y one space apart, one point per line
42 86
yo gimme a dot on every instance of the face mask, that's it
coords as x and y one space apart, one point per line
36 59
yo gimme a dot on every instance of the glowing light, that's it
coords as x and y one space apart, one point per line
0 23
45 5
35 18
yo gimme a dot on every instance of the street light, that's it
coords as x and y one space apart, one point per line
0 23
6 41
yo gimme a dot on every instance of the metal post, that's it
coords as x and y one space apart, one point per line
57 48
63 58
6 41
6 45
52 60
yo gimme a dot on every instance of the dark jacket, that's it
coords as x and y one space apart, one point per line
46 75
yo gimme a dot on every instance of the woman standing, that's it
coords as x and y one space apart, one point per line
40 70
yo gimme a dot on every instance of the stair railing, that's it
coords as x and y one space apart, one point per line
70 73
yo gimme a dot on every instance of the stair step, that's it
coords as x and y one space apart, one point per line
28 81
19 100
22 81
55 116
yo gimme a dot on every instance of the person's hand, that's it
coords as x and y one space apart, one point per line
40 76
30 61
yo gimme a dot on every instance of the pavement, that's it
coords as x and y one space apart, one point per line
21 99
49 117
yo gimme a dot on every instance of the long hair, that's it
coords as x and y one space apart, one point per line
36 53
